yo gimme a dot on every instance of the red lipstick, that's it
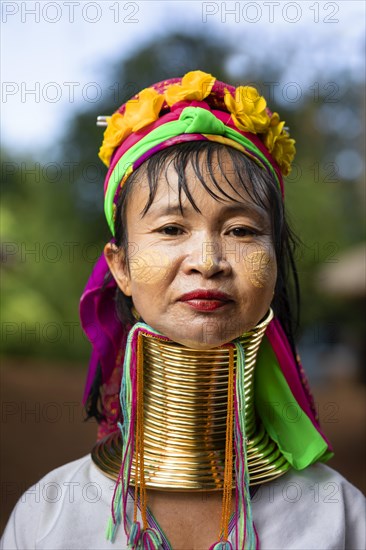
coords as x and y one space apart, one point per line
206 300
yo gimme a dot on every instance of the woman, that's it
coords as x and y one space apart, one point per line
205 419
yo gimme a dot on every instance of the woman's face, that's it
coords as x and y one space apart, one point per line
202 279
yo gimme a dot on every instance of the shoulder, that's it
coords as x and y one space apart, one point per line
312 508
64 509
324 484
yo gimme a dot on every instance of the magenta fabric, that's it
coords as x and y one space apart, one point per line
100 323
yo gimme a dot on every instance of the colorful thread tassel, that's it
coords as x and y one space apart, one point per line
132 431
151 539
223 545
245 536
135 534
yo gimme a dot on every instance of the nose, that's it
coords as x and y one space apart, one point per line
207 259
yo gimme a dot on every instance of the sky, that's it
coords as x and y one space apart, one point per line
54 55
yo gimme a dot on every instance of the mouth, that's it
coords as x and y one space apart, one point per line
206 300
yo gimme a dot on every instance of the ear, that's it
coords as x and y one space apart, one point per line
116 261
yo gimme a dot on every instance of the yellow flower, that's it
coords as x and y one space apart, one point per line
248 109
116 132
144 110
279 144
195 86
274 130
283 152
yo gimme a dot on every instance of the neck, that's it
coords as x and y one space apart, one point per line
185 410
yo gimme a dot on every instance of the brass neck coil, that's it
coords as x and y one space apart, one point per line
185 402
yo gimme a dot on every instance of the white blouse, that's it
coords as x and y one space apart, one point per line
68 510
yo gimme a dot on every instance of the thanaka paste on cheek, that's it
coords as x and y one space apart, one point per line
149 267
259 267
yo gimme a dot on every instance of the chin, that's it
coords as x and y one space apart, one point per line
207 334
199 344
202 339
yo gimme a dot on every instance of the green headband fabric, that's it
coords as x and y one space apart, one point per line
193 120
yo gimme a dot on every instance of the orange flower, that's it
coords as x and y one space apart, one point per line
144 110
139 113
248 109
115 133
195 86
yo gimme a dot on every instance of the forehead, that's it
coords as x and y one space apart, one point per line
197 183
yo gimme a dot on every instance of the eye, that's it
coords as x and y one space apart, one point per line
243 231
171 230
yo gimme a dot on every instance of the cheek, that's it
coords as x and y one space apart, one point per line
259 268
150 267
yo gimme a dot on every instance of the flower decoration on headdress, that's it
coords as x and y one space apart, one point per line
138 113
248 109
144 110
284 152
195 86
117 130
279 144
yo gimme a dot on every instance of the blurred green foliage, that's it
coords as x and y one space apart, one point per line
52 220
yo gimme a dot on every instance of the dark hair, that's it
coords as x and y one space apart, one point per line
261 187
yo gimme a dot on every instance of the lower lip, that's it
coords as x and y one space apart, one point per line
206 305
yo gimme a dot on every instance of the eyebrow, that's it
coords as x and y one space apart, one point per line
174 209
